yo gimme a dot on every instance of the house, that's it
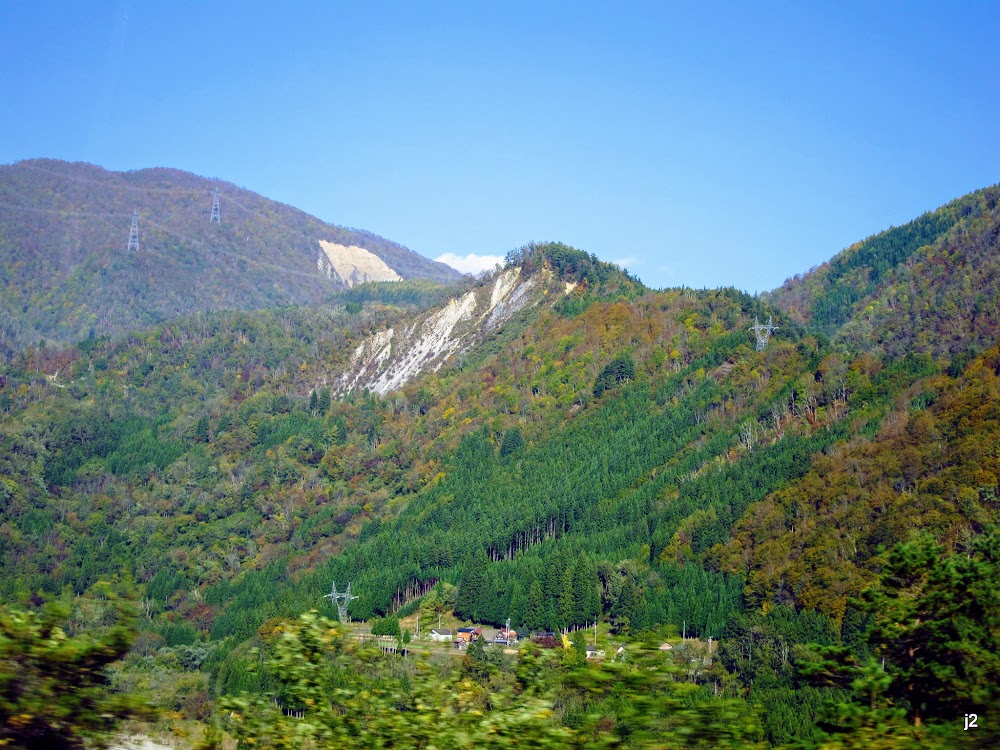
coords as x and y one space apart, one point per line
441 634
506 637
595 654
465 636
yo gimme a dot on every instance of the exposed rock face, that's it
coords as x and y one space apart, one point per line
353 264
390 358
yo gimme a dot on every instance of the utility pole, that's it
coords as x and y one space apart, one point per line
763 332
215 208
133 235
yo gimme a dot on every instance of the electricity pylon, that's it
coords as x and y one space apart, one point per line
133 235
763 332
215 208
341 601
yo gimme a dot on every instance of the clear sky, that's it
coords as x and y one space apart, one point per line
697 143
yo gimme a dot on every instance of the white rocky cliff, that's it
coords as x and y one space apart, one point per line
388 359
352 264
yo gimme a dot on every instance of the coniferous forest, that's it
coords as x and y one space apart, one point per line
700 542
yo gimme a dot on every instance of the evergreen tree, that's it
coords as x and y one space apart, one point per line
323 402
619 370
518 604
586 599
626 609
473 588
201 429
937 623
567 614
534 606
512 440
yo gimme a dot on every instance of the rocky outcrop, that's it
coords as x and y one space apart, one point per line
388 359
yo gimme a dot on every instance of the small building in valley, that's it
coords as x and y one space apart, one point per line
465 636
506 637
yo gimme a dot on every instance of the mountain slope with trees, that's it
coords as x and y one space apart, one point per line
928 286
65 269
608 453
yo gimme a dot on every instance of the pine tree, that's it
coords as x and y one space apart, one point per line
473 588
202 429
323 402
534 606
512 440
937 623
567 613
518 603
626 608
586 600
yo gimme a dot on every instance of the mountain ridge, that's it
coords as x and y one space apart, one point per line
947 259
65 268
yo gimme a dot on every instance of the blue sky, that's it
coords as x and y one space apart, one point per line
705 144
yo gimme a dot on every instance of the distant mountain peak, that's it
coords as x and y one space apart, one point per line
65 268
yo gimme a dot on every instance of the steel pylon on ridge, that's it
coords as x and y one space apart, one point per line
133 235
763 332
216 216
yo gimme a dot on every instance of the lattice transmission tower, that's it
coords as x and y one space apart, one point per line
341 601
215 208
133 235
763 332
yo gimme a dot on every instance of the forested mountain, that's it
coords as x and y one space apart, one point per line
929 286
66 270
598 452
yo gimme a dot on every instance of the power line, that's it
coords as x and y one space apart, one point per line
196 244
121 184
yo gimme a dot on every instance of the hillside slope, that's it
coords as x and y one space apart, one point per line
65 268
603 452
931 285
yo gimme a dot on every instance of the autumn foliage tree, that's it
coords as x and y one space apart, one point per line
54 687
